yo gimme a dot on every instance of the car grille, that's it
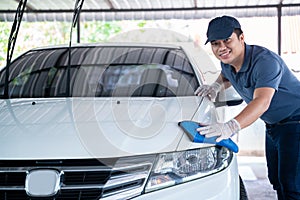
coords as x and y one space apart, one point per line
80 179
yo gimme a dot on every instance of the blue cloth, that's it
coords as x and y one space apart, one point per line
283 158
190 128
264 68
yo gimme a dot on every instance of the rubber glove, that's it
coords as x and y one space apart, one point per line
222 130
210 91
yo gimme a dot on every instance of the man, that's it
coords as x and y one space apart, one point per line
271 92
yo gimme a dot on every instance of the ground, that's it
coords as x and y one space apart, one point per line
253 171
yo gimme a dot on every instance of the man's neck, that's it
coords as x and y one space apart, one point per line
238 63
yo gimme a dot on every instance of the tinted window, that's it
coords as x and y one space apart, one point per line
101 72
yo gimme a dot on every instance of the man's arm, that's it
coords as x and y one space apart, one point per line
223 81
261 101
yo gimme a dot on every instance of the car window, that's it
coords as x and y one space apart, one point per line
101 72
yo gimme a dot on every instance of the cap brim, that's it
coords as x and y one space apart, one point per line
219 35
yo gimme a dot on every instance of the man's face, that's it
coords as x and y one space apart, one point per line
230 51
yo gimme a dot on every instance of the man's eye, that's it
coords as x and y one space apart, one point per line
227 40
214 43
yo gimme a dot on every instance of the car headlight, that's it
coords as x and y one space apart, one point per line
179 167
131 176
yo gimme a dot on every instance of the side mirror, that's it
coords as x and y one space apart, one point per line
228 97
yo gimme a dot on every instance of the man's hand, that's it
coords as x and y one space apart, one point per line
210 91
223 130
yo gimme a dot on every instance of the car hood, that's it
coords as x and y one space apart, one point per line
92 127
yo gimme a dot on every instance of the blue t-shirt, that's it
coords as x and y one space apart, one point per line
264 68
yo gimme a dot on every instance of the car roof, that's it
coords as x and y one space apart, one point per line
112 44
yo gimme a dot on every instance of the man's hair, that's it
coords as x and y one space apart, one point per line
238 32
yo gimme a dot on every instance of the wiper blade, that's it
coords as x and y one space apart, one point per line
77 9
12 41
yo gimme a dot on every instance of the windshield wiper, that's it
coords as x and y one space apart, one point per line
12 41
77 9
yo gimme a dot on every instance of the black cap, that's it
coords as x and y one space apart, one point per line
221 28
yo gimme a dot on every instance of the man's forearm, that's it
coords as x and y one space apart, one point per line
223 81
250 113
256 108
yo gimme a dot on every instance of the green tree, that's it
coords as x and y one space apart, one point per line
4 34
99 31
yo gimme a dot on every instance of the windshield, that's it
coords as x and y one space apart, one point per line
101 72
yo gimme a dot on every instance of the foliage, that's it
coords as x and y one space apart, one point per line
98 31
37 34
4 34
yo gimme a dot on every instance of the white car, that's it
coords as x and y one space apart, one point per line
105 126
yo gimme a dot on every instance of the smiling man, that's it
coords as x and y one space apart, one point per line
271 92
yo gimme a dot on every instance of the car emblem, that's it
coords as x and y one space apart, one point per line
42 183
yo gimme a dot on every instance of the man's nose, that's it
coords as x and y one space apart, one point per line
222 45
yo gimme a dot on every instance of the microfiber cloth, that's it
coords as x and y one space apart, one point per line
190 128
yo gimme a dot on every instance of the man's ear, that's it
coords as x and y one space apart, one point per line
242 37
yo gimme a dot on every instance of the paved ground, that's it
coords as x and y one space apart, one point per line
253 171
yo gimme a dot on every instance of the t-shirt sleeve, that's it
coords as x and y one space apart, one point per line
268 73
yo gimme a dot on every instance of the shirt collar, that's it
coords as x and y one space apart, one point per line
247 58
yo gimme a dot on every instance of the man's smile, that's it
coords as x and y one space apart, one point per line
225 55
